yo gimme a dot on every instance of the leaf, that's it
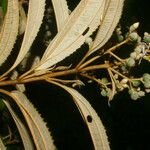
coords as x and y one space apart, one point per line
110 21
2 146
61 12
113 92
96 128
4 6
27 140
39 131
80 25
22 19
9 30
34 20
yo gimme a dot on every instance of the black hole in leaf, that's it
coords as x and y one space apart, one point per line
89 118
87 29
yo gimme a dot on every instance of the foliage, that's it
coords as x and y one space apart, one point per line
91 23
4 6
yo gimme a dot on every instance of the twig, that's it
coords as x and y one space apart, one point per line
94 79
53 75
119 73
89 62
117 46
118 58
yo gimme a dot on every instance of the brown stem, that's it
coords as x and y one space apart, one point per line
52 75
117 46
96 67
94 79
115 56
89 62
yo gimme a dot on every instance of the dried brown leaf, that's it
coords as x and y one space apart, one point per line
27 140
113 91
9 30
113 10
22 19
34 21
61 12
80 25
38 129
95 125
2 146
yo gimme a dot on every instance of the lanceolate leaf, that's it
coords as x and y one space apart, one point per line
110 19
78 27
91 118
9 30
22 19
61 12
27 140
34 20
2 146
39 131
113 91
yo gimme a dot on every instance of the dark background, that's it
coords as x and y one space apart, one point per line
127 122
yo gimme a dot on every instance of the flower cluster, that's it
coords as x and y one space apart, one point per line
120 73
